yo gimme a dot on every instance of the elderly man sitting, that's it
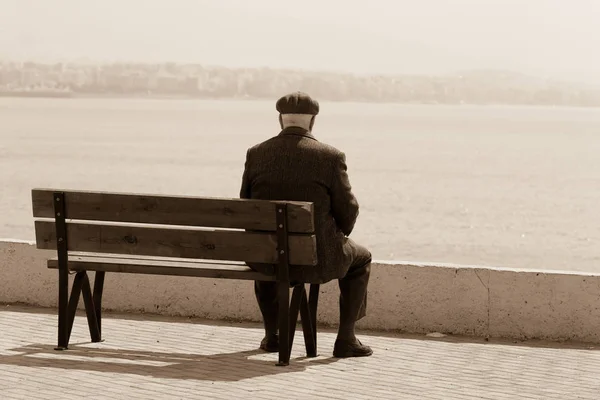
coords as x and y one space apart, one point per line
294 165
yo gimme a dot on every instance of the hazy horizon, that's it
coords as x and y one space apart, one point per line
548 38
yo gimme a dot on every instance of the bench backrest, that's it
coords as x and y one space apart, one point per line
172 226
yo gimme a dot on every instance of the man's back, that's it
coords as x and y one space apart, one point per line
295 166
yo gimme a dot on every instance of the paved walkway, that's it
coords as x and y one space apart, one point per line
148 357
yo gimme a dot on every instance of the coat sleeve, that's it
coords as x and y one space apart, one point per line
344 205
245 192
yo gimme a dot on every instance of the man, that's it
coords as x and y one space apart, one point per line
294 165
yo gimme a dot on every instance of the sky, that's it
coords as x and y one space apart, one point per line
549 38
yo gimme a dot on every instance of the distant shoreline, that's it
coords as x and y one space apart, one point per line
196 81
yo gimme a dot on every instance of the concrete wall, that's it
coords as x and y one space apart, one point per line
407 297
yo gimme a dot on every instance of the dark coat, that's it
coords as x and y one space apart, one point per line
295 166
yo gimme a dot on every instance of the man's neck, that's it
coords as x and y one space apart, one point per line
296 120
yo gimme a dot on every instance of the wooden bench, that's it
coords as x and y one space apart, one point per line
169 235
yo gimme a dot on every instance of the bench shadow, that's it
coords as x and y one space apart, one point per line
226 367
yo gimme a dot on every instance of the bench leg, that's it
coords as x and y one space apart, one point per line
307 328
283 295
287 323
97 298
90 310
294 310
81 284
74 300
63 310
313 302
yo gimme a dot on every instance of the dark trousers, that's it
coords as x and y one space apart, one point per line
353 292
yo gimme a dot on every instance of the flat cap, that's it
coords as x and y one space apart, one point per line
297 103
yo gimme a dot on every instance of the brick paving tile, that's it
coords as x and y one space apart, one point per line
152 357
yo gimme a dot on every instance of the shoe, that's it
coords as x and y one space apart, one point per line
350 348
270 343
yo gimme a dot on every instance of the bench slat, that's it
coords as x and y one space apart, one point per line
161 267
174 210
179 243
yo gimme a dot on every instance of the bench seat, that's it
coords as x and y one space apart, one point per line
153 266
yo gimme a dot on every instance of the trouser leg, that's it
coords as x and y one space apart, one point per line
353 291
266 296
